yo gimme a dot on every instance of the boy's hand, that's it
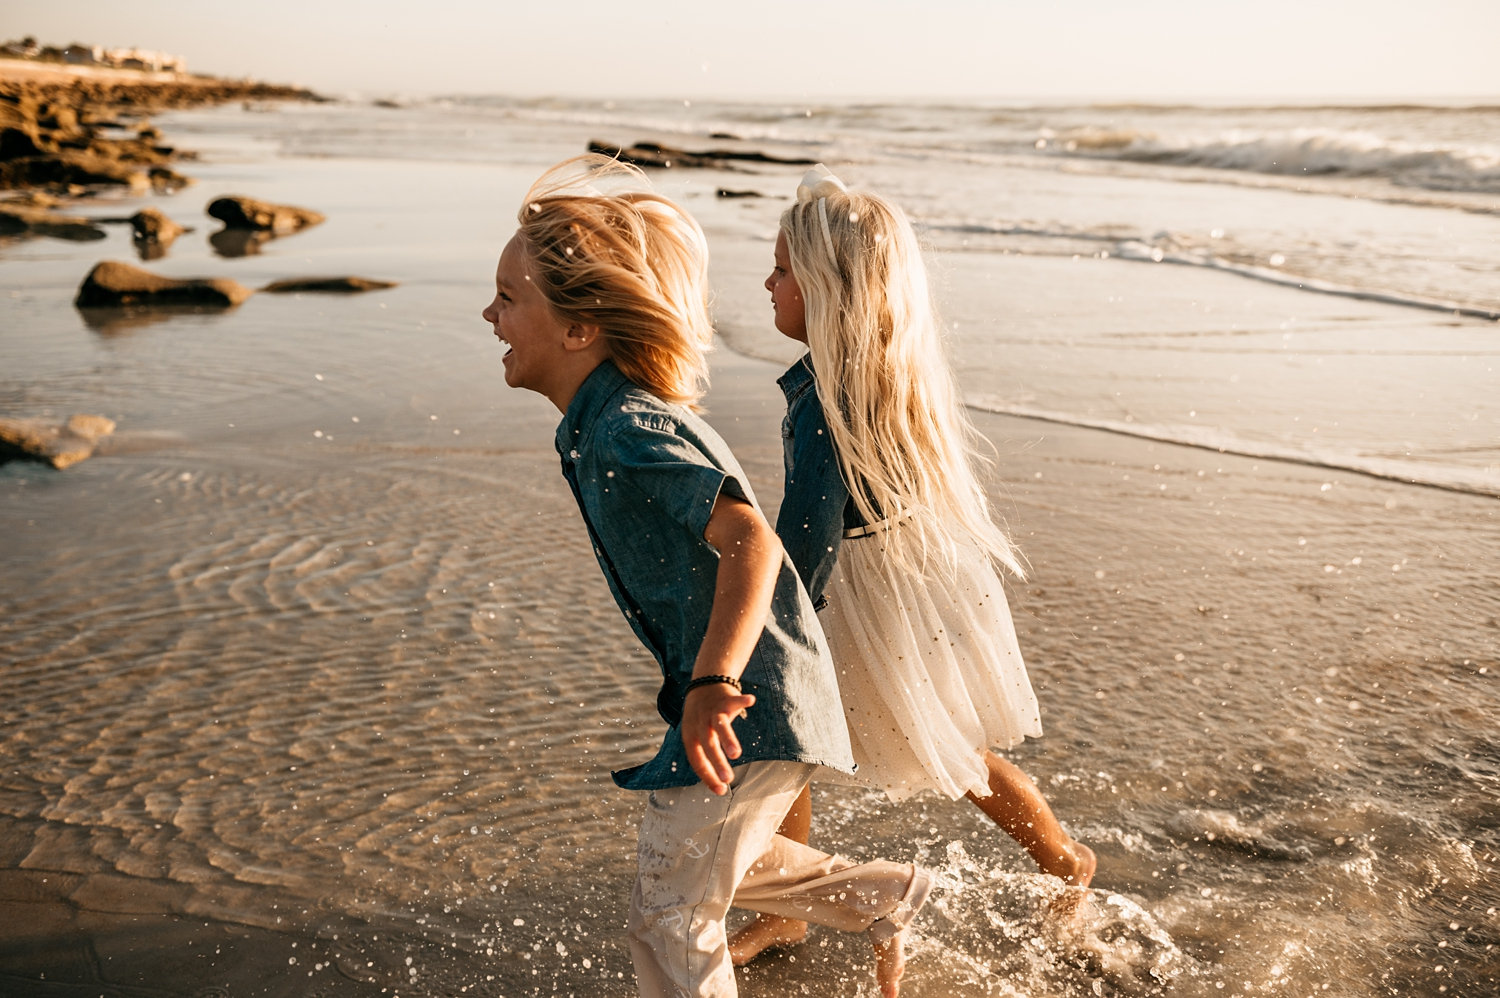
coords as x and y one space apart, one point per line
707 734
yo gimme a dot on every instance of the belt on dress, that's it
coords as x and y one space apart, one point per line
879 526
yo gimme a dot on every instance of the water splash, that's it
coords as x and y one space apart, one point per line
1032 932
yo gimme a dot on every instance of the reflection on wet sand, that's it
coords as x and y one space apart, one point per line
120 319
233 243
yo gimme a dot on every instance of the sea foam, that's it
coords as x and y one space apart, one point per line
1298 152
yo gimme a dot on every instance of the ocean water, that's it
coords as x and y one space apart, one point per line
317 648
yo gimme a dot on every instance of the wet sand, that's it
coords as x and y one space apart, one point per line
1087 617
313 663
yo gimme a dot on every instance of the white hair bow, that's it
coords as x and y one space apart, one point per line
817 184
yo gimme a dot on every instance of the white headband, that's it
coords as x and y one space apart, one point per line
817 184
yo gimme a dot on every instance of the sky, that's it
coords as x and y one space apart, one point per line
1173 50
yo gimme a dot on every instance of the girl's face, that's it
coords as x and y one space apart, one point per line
786 295
524 321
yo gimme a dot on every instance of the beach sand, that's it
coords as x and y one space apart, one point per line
1091 618
312 685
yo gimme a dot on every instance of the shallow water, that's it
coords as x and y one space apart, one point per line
317 646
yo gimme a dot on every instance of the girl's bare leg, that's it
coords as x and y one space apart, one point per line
772 931
1017 805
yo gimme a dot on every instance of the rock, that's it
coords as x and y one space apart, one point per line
71 167
725 192
112 283
653 154
18 219
153 233
151 224
20 142
332 285
247 213
165 180
60 445
36 199
56 117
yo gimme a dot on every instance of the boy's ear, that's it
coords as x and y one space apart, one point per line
582 336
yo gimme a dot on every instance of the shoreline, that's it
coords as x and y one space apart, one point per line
61 76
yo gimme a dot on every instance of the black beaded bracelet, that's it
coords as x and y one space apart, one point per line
712 681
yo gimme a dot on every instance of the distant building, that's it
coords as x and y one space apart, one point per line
79 54
83 55
23 48
155 62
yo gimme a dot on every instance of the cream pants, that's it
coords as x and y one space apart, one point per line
699 852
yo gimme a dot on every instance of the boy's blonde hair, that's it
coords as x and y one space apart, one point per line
905 446
629 261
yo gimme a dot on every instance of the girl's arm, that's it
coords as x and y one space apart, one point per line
749 563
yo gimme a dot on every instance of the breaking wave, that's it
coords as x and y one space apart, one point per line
1297 152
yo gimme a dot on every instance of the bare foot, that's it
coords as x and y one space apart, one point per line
1086 863
890 964
765 933
1073 906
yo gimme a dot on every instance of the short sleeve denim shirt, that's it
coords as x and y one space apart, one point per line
816 508
646 474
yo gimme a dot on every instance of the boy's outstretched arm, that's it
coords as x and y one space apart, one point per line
749 563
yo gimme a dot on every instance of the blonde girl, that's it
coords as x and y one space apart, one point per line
889 528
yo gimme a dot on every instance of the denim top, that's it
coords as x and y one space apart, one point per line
646 474
817 507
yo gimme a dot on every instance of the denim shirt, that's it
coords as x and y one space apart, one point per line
646 474
816 508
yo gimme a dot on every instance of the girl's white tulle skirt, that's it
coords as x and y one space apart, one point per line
929 670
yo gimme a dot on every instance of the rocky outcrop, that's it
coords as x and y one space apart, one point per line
261 216
115 284
327 285
58 444
653 154
60 130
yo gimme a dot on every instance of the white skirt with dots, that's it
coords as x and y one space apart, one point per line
929 669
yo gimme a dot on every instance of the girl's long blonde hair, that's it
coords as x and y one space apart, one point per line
629 261
905 446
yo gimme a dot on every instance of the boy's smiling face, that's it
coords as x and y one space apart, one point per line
525 322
